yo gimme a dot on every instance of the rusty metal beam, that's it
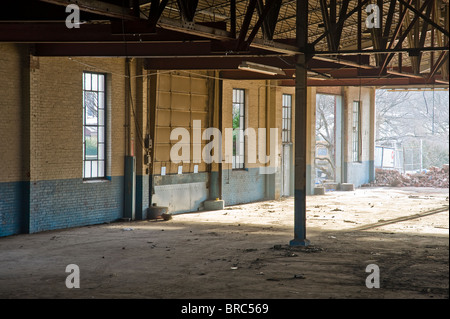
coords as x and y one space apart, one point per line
397 49
271 20
142 50
156 10
341 22
329 25
117 32
269 5
233 23
99 7
371 82
218 34
424 17
233 62
118 12
439 63
424 30
187 9
398 27
403 36
246 24
389 20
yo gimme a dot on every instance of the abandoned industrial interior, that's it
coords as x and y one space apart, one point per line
168 149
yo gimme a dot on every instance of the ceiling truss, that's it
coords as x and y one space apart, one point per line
410 46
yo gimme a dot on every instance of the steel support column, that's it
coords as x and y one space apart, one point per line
301 110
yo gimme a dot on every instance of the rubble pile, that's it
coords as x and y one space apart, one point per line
433 177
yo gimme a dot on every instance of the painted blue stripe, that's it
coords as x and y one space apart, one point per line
13 207
59 204
359 173
243 186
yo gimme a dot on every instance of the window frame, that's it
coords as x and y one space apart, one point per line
356 132
286 122
101 92
239 98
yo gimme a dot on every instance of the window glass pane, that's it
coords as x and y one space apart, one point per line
241 138
101 169
87 81
94 82
101 151
90 100
101 134
101 100
236 116
91 144
87 169
101 117
101 83
94 169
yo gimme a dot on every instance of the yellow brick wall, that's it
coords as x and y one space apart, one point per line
13 121
56 116
255 95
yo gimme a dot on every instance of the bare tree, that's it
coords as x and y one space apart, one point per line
325 133
408 117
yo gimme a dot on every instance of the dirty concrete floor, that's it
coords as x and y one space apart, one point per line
242 252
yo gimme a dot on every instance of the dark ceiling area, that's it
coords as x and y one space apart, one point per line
409 47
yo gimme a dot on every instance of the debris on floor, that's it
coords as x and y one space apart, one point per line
433 177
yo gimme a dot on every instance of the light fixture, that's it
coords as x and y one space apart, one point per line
261 68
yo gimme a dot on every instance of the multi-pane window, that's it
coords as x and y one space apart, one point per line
356 149
94 124
238 129
286 133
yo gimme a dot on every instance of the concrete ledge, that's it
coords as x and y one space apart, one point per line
214 204
319 190
347 187
330 186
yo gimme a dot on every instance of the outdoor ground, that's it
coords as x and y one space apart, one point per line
242 252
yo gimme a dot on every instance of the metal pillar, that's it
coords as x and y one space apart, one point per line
301 109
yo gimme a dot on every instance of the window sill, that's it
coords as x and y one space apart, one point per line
96 181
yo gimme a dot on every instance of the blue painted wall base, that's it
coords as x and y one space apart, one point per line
48 205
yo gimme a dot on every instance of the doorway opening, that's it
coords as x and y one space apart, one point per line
328 158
